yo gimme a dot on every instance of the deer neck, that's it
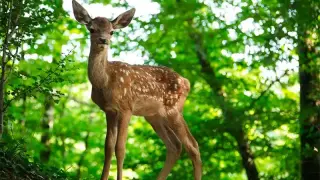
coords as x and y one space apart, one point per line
97 66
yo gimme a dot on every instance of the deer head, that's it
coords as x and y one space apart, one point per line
100 28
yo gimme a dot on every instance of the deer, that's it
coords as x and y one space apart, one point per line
123 90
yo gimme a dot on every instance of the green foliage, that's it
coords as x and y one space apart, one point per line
16 164
241 60
182 35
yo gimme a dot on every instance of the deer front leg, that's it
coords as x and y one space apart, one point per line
121 141
110 142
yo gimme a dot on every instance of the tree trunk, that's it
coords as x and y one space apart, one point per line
2 78
246 154
218 95
86 143
228 111
24 101
309 115
63 134
2 83
309 76
46 125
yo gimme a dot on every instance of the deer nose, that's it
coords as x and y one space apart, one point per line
103 40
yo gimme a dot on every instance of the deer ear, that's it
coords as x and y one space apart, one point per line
123 19
80 13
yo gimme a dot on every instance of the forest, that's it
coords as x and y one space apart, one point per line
253 106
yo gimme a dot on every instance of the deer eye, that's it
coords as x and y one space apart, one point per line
91 30
111 32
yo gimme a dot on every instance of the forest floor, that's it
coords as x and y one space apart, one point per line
15 164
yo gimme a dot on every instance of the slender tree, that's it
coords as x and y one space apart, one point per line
309 75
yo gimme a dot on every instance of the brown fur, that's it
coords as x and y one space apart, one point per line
131 83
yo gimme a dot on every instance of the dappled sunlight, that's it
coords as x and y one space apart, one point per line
253 68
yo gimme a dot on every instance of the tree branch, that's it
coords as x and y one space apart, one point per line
13 62
36 86
255 100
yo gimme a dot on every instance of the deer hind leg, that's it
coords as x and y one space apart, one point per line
110 142
171 141
177 123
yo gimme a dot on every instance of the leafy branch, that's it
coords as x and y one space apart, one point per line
41 84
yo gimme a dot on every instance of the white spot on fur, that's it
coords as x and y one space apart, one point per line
121 79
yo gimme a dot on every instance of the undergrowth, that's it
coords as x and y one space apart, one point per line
16 164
